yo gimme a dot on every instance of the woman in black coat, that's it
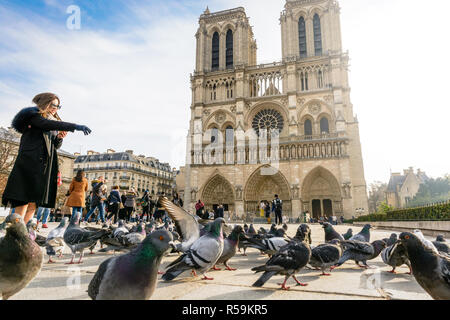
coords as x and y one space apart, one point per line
34 178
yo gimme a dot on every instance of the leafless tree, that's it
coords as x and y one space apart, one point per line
8 154
377 196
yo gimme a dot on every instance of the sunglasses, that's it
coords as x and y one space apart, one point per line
56 106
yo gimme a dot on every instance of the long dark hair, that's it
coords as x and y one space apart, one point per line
79 176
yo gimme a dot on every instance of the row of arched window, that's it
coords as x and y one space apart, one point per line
216 50
317 36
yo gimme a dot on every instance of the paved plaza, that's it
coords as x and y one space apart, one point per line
59 281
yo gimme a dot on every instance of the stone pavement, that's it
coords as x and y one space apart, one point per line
63 282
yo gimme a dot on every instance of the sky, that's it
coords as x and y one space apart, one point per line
126 72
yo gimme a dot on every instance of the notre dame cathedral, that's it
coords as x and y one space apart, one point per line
305 98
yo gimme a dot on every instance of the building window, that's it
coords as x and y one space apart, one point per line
320 79
317 35
229 134
229 50
302 37
215 51
308 128
214 135
324 126
304 81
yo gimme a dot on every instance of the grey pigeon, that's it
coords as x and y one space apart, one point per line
326 255
131 276
360 251
79 239
186 224
202 255
395 256
330 233
55 240
268 246
251 230
32 231
229 248
287 261
440 238
441 245
348 234
391 240
364 235
20 257
125 241
431 270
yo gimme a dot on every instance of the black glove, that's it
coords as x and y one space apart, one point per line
85 129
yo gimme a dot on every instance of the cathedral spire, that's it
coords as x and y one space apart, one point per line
207 10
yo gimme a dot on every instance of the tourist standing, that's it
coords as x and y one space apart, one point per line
145 204
114 202
97 202
77 193
277 207
43 213
33 180
267 210
199 206
130 204
220 211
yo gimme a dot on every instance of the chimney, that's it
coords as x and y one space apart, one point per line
90 152
110 151
77 154
129 151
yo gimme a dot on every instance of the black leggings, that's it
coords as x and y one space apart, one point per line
129 211
114 212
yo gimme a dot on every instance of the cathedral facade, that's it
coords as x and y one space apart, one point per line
285 128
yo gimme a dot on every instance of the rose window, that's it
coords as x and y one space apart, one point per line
268 119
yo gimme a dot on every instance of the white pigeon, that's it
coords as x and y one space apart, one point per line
426 242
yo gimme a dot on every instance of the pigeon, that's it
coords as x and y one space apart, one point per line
251 230
268 246
391 240
245 228
441 244
20 257
360 251
330 233
229 248
287 261
426 242
326 255
395 256
32 226
273 229
132 276
55 240
121 229
78 239
202 255
431 270
304 233
364 235
186 224
125 241
348 234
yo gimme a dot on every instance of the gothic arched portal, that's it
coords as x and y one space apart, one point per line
218 191
321 194
263 184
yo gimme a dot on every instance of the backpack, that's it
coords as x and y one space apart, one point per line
278 204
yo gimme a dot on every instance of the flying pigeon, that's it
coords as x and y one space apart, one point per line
186 224
360 251
287 261
20 257
330 233
348 234
395 256
202 255
326 255
78 239
391 240
426 242
229 247
364 235
55 240
131 276
431 270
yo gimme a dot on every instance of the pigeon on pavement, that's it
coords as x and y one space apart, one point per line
395 256
287 261
186 224
391 240
348 234
360 251
20 257
79 239
229 248
426 242
202 255
431 270
330 233
326 255
441 244
364 235
55 240
125 241
131 276
32 226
